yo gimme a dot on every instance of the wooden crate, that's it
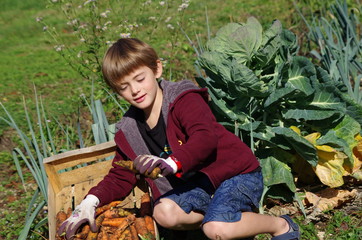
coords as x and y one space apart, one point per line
71 174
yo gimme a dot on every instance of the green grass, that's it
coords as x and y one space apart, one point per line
27 55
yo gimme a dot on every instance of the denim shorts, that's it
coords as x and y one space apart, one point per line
238 194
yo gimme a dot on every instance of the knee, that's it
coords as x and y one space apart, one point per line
215 230
164 214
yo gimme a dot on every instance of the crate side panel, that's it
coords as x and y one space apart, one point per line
84 174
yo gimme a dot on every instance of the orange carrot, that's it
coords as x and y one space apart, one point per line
126 235
111 213
150 225
60 218
69 212
156 172
127 222
92 235
114 222
104 208
104 234
140 226
133 231
146 208
84 233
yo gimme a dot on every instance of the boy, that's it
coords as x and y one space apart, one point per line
211 179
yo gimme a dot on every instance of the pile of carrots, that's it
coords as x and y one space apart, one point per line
116 223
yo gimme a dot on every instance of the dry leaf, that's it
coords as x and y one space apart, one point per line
329 198
283 210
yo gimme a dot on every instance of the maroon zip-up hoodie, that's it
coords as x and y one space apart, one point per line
196 139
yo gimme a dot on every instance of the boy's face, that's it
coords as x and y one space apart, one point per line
140 88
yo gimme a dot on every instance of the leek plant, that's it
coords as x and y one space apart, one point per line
337 36
39 142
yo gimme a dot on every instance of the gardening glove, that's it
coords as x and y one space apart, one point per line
84 212
146 163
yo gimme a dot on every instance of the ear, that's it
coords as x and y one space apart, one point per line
159 69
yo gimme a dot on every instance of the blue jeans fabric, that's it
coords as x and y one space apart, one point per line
238 194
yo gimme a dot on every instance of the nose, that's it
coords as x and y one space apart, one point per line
134 89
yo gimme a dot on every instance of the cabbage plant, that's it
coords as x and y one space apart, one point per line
263 91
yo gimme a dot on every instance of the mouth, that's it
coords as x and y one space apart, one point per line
140 99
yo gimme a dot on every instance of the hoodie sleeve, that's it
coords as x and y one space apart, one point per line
196 120
117 184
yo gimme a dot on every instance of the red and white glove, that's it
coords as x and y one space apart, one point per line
84 212
146 163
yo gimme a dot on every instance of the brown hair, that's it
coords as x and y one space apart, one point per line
124 57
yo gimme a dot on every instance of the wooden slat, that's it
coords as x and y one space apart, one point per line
78 153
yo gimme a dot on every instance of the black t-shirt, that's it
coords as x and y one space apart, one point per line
155 138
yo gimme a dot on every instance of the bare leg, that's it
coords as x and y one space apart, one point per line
169 215
251 224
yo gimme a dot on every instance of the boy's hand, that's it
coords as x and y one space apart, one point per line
84 212
146 163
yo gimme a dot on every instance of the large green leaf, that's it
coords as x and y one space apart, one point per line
238 40
307 115
244 82
325 98
220 42
278 96
299 74
276 172
304 148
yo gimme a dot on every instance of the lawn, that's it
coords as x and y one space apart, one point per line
29 61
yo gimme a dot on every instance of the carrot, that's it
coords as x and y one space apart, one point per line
111 213
156 172
69 212
126 235
150 225
146 208
133 231
140 226
60 218
114 222
104 234
92 235
127 222
84 233
104 208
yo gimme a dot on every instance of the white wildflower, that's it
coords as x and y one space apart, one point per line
162 3
109 43
45 28
125 35
105 14
59 48
98 27
170 26
83 26
152 18
167 19
82 39
184 5
73 22
148 2
39 19
80 53
108 23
